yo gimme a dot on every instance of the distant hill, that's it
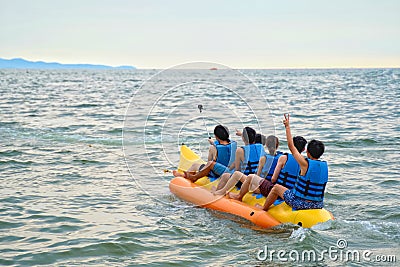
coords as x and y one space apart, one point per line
19 63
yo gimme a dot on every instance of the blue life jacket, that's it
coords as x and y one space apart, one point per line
226 153
252 155
311 186
270 164
289 173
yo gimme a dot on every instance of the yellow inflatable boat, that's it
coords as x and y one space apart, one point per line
198 193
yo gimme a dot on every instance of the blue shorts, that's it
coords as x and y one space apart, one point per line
219 169
298 203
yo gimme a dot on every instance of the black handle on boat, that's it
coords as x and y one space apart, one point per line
200 107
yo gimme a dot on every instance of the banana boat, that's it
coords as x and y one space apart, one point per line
199 194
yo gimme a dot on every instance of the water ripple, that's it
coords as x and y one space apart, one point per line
67 198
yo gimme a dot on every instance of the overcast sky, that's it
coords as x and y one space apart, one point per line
240 34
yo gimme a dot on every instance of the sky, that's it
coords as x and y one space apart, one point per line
239 34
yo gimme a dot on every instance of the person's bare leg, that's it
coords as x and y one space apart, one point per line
184 174
194 168
252 183
276 191
201 173
178 174
223 180
243 190
255 184
236 177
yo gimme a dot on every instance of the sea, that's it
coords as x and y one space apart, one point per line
86 158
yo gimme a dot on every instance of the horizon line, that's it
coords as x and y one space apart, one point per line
217 63
287 68
280 68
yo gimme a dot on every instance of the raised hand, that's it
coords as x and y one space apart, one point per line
286 120
211 141
238 133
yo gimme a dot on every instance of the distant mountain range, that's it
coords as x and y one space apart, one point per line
20 63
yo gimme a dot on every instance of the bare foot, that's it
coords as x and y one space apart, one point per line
178 174
213 189
219 193
191 176
259 206
216 192
234 196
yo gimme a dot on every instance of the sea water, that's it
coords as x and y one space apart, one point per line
71 195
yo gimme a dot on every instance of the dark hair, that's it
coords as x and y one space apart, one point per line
316 148
261 139
272 144
300 143
221 132
249 135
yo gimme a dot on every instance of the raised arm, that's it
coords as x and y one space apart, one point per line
299 158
